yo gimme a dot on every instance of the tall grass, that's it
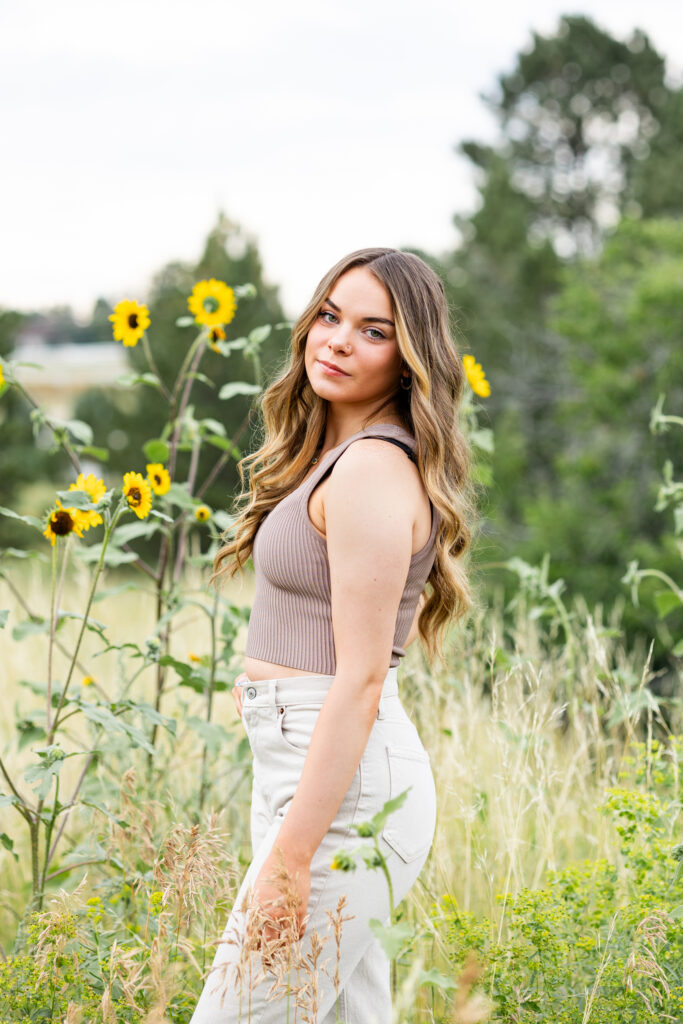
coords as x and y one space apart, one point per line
528 729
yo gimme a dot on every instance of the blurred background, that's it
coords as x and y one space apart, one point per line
533 156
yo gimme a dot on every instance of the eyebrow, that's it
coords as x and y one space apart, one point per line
364 319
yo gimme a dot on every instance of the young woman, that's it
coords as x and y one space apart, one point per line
345 538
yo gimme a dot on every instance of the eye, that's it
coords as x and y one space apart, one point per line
325 312
377 335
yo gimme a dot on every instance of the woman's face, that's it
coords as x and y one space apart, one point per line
354 330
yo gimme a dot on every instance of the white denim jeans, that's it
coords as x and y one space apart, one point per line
279 716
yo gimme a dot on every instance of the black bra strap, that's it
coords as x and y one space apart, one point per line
406 448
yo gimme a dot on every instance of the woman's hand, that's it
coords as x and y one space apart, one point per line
280 898
237 691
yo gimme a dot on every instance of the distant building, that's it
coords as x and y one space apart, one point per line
67 370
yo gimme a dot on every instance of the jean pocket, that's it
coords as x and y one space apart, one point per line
296 724
409 830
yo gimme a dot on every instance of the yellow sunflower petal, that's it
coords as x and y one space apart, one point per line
130 320
138 494
158 477
212 302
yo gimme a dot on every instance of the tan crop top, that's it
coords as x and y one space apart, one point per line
291 616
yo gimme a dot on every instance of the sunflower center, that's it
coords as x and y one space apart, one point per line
157 479
62 523
135 496
133 321
210 304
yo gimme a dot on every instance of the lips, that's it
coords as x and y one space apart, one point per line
331 366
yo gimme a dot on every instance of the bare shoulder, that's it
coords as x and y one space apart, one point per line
372 458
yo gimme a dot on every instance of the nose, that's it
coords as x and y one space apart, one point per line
340 339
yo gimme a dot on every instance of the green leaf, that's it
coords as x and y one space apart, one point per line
127 532
77 499
120 588
677 912
101 715
129 379
678 649
4 613
223 443
177 495
238 387
30 520
211 426
148 712
49 767
392 937
30 627
434 977
160 515
666 601
214 735
8 844
195 375
259 334
184 321
156 450
19 553
101 454
80 430
112 556
378 821
188 675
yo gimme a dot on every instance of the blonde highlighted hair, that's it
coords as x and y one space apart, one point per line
294 417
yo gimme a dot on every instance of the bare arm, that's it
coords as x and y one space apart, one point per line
369 541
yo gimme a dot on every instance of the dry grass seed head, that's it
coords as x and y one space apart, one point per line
192 868
470 1008
642 962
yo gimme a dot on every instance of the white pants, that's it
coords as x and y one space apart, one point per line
279 716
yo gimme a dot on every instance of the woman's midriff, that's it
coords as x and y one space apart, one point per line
257 669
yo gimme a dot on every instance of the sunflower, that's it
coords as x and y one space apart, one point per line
96 490
216 334
158 477
2 376
138 493
202 513
475 376
62 522
191 656
130 322
212 302
87 680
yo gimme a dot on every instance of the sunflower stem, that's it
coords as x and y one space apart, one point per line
58 433
191 477
203 787
55 598
107 534
153 367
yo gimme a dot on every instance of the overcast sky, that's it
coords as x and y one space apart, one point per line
321 127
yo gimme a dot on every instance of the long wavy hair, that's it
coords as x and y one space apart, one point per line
295 416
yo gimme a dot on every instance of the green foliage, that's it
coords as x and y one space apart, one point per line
601 939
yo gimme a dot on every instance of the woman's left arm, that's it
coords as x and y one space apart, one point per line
368 524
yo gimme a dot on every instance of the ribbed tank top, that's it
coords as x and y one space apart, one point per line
291 615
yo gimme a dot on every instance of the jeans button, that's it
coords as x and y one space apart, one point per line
251 692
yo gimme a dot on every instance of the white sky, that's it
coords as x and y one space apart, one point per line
320 126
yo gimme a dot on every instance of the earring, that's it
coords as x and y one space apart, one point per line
408 386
